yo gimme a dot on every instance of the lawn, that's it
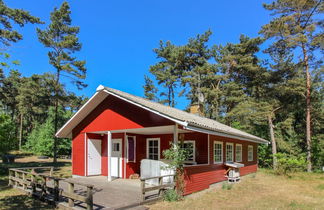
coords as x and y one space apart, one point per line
263 190
16 199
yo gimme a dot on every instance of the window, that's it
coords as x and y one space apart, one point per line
250 153
191 147
229 152
131 147
238 152
153 149
115 147
218 152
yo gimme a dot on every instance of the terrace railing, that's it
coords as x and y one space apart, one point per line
160 188
46 187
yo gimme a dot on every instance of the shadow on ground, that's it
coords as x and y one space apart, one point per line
22 202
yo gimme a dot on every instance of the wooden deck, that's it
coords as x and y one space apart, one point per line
117 194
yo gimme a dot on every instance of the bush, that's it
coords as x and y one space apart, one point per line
289 164
7 134
227 186
171 195
41 141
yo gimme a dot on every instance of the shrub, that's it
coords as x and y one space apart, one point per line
7 134
177 157
227 186
171 195
289 164
41 140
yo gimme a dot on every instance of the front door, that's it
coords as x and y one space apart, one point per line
116 158
94 157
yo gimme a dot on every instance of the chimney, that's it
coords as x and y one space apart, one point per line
196 110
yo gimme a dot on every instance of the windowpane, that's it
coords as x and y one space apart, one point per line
250 153
238 153
218 152
156 143
229 152
116 147
153 149
190 147
131 148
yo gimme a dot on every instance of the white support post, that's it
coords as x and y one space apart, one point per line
175 134
109 149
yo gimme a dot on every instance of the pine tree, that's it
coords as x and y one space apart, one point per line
196 69
150 90
17 16
296 24
62 39
167 71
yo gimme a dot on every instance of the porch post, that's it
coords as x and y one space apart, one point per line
109 149
175 134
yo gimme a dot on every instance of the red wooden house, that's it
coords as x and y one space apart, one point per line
113 131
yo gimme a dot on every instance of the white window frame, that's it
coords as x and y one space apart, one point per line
230 144
147 147
241 156
250 158
222 152
131 161
193 148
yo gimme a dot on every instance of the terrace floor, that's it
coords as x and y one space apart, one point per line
117 194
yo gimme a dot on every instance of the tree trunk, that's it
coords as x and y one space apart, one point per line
20 130
308 110
56 116
273 141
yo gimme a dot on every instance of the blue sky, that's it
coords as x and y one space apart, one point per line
118 37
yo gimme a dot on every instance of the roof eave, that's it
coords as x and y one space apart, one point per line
229 135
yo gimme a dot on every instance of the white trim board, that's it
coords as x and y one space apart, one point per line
202 130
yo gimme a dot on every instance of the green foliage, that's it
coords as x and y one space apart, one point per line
227 186
150 90
171 195
11 16
264 155
41 139
7 134
62 39
176 156
266 97
289 164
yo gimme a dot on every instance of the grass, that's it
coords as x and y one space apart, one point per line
261 191
15 199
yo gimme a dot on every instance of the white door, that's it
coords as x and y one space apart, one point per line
94 157
116 158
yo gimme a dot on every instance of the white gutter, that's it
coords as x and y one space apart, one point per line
202 130
183 123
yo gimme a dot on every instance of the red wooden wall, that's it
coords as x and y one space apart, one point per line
200 177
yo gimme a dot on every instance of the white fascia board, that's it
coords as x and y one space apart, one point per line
148 109
74 116
202 130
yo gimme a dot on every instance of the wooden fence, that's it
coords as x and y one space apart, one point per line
161 187
46 187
